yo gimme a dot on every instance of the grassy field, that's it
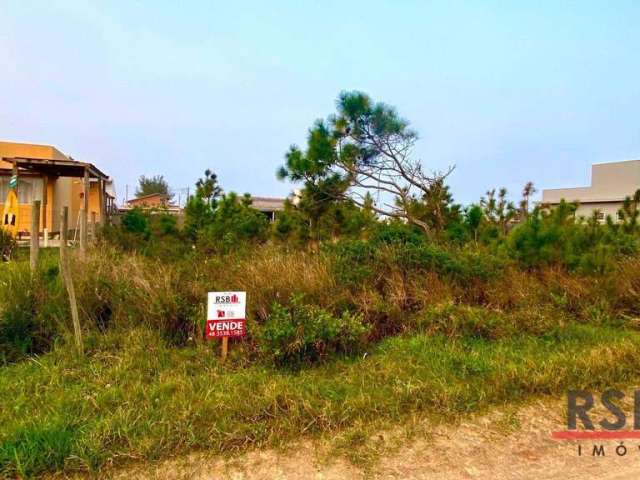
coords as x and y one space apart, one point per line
342 342
136 398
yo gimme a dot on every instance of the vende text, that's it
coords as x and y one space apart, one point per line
225 328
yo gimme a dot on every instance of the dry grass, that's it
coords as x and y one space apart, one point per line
469 341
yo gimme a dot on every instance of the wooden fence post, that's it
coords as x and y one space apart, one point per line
225 349
35 235
68 280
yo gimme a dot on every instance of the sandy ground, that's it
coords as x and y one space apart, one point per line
504 444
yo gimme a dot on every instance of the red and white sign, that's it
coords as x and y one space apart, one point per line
226 314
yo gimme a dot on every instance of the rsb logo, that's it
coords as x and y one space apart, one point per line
612 424
227 298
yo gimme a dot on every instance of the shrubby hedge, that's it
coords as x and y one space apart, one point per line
302 332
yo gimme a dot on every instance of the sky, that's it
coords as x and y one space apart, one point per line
505 91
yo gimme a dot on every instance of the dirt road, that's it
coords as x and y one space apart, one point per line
505 444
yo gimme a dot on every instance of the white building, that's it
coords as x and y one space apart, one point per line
610 184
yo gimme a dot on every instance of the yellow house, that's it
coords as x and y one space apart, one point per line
56 180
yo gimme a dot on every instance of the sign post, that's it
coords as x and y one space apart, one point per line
226 317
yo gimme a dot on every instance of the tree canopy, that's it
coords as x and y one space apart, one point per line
151 185
207 188
366 146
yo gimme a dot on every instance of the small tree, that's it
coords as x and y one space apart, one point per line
151 185
629 213
197 215
235 222
527 191
473 220
498 210
208 189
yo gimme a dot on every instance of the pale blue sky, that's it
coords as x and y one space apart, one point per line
508 91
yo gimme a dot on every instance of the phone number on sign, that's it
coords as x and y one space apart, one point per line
225 328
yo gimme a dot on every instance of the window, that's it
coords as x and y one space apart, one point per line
29 189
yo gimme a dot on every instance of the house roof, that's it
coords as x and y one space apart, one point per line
267 204
147 197
44 159
61 168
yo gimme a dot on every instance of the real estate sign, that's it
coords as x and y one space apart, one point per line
226 314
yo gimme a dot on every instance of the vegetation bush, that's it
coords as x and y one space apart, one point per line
7 246
234 223
301 332
136 221
30 311
352 261
459 321
558 238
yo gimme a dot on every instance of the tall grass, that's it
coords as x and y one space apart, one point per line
446 331
136 397
387 286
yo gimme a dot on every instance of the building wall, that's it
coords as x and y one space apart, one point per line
154 201
75 201
29 188
610 184
621 178
62 187
61 192
606 208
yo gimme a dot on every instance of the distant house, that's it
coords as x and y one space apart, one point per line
610 184
44 173
152 201
268 205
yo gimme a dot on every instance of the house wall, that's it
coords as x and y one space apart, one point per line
73 199
610 184
151 201
621 178
606 208
61 191
62 198
28 188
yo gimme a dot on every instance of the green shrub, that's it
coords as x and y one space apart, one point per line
557 238
197 215
301 332
136 221
352 261
357 261
7 245
29 311
395 232
234 223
